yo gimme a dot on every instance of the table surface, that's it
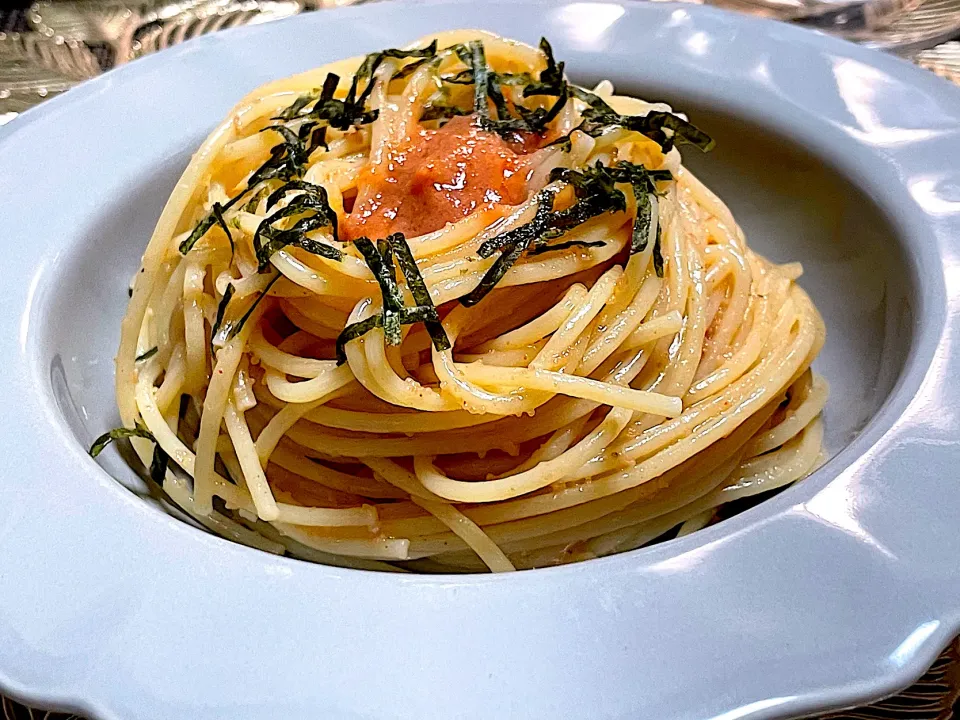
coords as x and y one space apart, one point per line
51 45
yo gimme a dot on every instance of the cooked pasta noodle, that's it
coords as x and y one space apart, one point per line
437 309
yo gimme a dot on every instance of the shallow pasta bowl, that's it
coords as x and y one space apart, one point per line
837 591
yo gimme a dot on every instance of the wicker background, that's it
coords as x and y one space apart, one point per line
48 46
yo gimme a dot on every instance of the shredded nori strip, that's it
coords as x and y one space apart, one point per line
596 192
512 243
464 77
218 215
222 332
254 202
147 354
215 334
380 257
290 158
538 118
119 434
551 80
488 84
314 207
486 89
238 326
381 265
293 111
351 110
473 55
406 316
644 184
198 232
442 112
158 465
352 332
658 255
651 125
286 163
340 114
594 101
373 61
418 288
599 116
540 249
496 272
410 68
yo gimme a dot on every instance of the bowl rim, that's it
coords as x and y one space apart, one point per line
883 162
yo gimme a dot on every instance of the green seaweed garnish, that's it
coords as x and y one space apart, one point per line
286 163
651 125
238 326
596 193
599 116
254 203
658 255
218 216
538 118
486 89
373 61
644 184
223 331
158 465
512 244
147 354
198 232
352 332
540 249
292 111
382 257
464 77
437 111
351 110
380 261
551 80
340 114
313 207
488 85
287 159
120 433
216 337
418 288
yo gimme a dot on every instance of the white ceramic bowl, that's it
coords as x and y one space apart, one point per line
837 591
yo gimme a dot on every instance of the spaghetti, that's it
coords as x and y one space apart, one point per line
438 309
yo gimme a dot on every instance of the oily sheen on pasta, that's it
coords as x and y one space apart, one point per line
439 309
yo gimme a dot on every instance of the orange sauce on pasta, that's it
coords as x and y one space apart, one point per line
437 177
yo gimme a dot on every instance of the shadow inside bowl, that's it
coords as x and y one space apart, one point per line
82 330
